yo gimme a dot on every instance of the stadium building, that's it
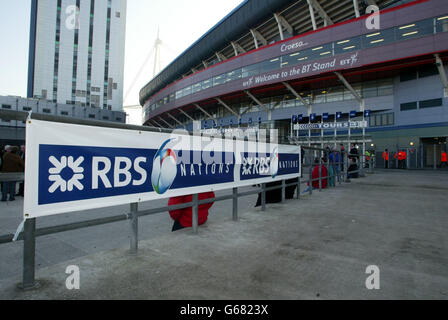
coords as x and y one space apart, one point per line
308 67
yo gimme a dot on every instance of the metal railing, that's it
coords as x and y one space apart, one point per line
29 233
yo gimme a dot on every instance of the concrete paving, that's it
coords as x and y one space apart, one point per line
317 247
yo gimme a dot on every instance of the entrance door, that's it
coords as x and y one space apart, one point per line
432 151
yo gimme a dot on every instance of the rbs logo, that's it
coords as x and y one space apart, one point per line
71 173
122 177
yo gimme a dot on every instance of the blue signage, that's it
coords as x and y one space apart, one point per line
300 117
313 117
338 115
325 116
367 113
294 119
352 114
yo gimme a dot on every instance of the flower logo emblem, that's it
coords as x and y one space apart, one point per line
57 177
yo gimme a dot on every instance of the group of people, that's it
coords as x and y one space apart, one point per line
12 159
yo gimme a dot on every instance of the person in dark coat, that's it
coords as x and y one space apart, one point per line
353 167
11 163
183 218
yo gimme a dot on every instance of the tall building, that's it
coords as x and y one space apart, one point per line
77 52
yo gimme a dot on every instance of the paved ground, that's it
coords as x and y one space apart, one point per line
315 248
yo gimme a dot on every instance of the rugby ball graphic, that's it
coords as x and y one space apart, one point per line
164 169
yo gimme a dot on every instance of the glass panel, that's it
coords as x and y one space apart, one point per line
207 84
187 91
391 119
378 38
335 94
442 24
372 121
234 75
431 103
251 70
269 65
415 30
385 88
219 80
289 103
293 59
325 50
408 106
319 96
196 87
348 45
369 92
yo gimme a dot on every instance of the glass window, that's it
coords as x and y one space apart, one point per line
187 91
6 106
410 74
347 45
408 106
372 121
196 87
385 88
431 103
442 24
269 65
319 96
293 59
325 50
219 80
391 119
179 94
427 71
289 103
369 90
378 38
207 84
233 75
384 119
415 30
335 94
251 70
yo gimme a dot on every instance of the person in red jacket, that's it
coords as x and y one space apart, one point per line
444 158
183 218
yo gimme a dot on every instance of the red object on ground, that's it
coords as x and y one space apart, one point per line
444 157
315 175
185 216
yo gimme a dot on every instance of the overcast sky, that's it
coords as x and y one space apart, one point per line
181 22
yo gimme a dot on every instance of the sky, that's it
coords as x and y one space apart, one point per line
181 23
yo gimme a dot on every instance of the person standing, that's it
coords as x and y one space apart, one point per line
386 159
11 163
22 184
444 160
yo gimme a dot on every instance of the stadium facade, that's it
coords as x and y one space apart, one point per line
283 63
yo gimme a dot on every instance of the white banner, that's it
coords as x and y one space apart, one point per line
74 167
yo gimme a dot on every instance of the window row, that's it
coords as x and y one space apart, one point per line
432 103
375 39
